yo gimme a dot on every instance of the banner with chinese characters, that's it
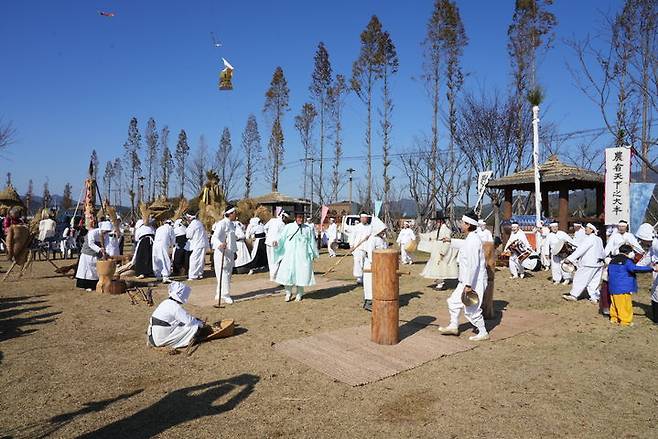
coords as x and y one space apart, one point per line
617 184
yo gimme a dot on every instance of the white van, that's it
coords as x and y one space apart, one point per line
349 221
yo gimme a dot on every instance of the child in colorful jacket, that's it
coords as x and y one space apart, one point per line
622 283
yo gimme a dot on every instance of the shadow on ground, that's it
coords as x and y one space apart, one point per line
181 406
18 316
50 426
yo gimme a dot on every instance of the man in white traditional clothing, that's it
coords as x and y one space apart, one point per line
332 236
517 238
47 227
472 278
225 247
143 255
181 254
442 264
578 233
484 233
170 325
273 229
243 257
86 276
376 241
256 232
294 254
113 248
358 236
198 240
405 237
165 239
588 257
69 238
620 237
557 239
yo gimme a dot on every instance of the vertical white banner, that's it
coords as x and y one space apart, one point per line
617 185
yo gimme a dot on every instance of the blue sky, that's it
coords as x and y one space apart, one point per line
71 79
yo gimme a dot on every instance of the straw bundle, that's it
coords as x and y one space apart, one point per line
246 209
145 212
264 213
183 205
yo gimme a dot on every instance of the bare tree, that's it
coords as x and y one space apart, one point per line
166 162
117 170
95 164
275 155
151 157
530 30
7 134
417 167
620 76
305 123
337 95
28 196
131 149
227 164
486 134
366 71
251 151
196 172
108 176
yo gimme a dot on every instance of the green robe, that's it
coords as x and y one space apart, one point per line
295 251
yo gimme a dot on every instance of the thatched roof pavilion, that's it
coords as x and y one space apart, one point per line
555 176
277 199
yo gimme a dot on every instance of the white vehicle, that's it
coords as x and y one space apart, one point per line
349 221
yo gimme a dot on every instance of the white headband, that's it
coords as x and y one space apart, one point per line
469 220
482 223
230 211
591 226
554 224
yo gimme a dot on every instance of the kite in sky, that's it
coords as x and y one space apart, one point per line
225 76
106 14
215 43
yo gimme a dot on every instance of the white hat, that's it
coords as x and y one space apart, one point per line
105 226
645 232
179 292
592 227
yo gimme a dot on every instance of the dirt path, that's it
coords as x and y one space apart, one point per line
75 363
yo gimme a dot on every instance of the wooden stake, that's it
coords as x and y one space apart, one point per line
384 327
487 301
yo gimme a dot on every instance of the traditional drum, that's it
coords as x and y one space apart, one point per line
563 249
568 266
520 249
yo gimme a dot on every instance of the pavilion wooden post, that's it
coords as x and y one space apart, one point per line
563 212
384 327
599 200
545 207
507 204
487 301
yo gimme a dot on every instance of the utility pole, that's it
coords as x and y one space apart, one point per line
350 187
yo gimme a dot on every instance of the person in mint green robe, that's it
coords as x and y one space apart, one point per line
294 253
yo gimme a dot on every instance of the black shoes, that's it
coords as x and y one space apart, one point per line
367 305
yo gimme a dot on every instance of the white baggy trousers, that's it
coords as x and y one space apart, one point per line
472 313
223 287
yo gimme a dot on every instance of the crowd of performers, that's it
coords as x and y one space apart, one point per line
287 245
604 274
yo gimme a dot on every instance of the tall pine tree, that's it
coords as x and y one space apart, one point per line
276 104
320 87
131 157
182 152
251 151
